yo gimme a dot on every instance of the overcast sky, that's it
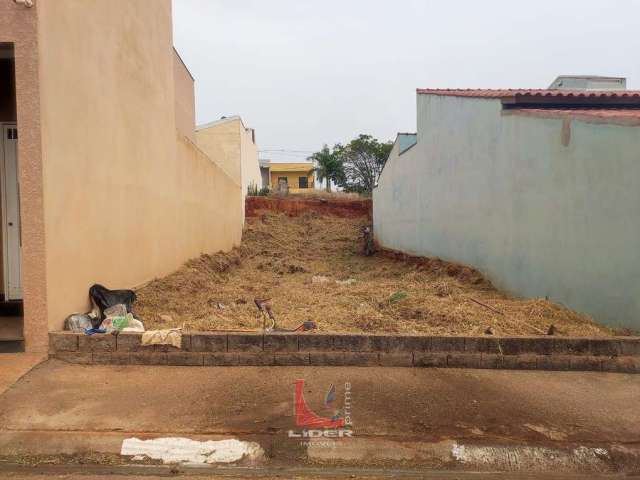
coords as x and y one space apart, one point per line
308 72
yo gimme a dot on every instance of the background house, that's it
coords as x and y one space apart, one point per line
539 189
233 147
297 176
112 188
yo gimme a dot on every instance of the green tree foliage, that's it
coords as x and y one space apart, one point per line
328 166
362 161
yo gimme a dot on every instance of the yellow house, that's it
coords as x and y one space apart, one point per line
298 176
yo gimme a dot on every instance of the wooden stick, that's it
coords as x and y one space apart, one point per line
485 305
541 332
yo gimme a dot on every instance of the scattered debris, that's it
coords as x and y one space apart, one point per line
123 323
79 322
307 326
171 337
185 450
367 241
102 298
319 279
345 283
117 310
265 311
111 313
93 331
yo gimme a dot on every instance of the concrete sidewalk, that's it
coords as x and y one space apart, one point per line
478 419
15 365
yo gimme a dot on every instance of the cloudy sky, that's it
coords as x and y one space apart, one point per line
308 72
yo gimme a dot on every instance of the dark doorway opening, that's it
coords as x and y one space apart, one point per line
11 307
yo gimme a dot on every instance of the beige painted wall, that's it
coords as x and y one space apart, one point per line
128 198
221 142
18 25
231 145
185 98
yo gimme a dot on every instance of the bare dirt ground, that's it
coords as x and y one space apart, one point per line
279 257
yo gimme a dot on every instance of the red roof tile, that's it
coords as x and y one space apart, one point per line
487 93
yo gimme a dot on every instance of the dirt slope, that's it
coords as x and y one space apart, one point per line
279 257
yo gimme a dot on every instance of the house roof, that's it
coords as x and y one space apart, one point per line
533 93
291 167
232 118
616 106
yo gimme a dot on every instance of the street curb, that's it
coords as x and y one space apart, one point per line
611 354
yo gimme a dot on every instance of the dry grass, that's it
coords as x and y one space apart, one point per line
280 255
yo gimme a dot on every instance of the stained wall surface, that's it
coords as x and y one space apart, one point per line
543 206
127 196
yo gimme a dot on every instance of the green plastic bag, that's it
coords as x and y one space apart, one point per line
120 323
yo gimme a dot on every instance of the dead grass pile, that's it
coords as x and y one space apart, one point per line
312 269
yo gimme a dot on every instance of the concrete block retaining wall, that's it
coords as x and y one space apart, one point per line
618 354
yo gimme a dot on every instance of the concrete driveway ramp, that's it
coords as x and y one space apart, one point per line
187 451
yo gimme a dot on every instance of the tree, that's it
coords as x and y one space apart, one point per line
328 166
362 161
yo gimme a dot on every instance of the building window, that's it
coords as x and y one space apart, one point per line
303 182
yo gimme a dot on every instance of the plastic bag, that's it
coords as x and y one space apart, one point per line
119 310
78 322
122 324
134 326
103 298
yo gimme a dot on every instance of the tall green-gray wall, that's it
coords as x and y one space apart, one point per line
540 211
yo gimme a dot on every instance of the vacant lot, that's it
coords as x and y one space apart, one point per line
312 269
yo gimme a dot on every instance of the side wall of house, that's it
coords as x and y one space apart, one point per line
19 25
231 145
185 99
249 163
221 142
542 212
127 197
